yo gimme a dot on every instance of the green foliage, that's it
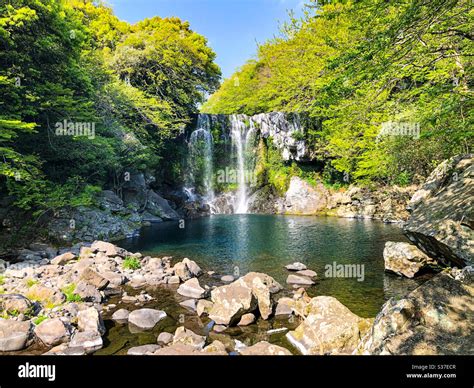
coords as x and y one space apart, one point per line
69 61
31 282
357 65
39 319
2 280
131 263
68 291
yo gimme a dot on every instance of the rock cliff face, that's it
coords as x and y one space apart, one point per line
302 198
442 219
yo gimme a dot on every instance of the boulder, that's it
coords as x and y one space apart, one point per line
203 307
189 338
145 319
262 286
182 271
63 259
328 328
114 278
93 278
442 213
189 304
193 268
165 338
264 348
284 306
298 279
174 280
434 319
15 303
45 295
230 302
88 293
14 335
121 316
160 207
404 259
109 249
90 320
307 273
296 267
243 296
227 278
89 341
305 199
192 289
52 332
247 319
143 350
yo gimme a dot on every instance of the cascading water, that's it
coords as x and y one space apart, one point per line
238 134
200 160
236 159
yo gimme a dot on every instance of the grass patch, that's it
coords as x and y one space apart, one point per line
131 263
39 319
31 282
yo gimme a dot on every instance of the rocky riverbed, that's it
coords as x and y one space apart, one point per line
106 300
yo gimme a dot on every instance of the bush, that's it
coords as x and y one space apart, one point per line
131 263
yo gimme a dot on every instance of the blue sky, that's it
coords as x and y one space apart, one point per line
232 26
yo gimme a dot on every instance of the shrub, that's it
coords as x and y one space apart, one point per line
131 263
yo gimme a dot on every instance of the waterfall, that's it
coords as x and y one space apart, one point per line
239 129
232 156
200 159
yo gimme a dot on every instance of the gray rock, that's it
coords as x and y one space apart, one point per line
89 341
143 350
182 270
405 259
189 304
165 338
434 319
305 199
90 320
192 289
264 348
442 219
52 332
203 307
296 279
227 279
63 259
189 338
121 316
93 278
14 335
15 303
307 273
328 328
88 293
247 319
109 249
193 267
296 267
146 319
